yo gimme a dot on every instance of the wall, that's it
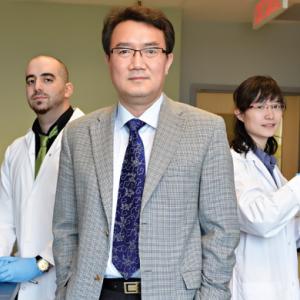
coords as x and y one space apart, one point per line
228 53
222 55
72 33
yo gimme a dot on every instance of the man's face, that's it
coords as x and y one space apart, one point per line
46 86
138 79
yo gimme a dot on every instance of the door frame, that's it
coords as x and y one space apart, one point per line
286 91
195 88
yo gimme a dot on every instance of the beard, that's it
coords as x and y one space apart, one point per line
40 111
40 107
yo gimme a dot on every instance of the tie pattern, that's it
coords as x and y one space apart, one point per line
125 253
43 148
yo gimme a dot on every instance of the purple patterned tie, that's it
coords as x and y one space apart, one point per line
125 252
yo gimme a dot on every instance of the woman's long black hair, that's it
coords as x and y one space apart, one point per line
256 89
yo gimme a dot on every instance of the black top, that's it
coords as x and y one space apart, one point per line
61 122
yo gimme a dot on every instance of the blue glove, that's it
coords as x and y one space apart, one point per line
3 262
18 269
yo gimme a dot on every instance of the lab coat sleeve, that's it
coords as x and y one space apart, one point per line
261 212
7 226
47 253
297 230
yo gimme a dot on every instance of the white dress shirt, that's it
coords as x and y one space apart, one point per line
121 137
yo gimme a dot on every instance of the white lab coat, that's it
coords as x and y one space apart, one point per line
26 208
266 259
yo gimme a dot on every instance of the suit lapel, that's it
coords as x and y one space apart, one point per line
167 137
102 148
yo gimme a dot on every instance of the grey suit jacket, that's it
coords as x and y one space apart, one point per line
188 221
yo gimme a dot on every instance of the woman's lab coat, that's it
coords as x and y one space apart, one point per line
266 257
26 208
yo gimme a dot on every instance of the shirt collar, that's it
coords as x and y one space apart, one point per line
150 116
268 160
60 122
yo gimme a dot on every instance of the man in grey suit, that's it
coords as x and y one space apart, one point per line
145 205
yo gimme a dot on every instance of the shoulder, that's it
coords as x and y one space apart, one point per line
194 114
16 148
240 157
76 114
85 121
243 162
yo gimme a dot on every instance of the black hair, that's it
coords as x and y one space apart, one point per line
142 14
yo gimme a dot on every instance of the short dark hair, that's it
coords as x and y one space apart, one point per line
255 89
137 13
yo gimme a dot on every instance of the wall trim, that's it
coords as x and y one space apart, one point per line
195 88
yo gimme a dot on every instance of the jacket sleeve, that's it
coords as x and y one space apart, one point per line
261 212
7 225
218 217
64 219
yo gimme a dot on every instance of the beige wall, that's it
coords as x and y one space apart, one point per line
72 33
222 55
228 53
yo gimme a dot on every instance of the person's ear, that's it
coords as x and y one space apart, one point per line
170 58
69 89
239 114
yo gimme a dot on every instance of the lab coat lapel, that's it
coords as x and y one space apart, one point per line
30 153
263 170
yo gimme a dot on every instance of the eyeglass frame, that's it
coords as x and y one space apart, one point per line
277 107
163 51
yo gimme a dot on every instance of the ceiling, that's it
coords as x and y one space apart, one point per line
204 10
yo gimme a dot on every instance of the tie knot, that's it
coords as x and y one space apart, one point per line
44 138
135 125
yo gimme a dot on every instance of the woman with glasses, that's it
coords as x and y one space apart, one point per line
266 257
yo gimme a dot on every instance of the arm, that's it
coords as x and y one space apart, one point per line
64 219
263 213
7 225
12 269
47 253
218 217
297 231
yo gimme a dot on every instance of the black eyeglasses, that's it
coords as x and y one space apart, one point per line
150 52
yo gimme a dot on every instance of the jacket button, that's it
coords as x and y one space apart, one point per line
97 277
